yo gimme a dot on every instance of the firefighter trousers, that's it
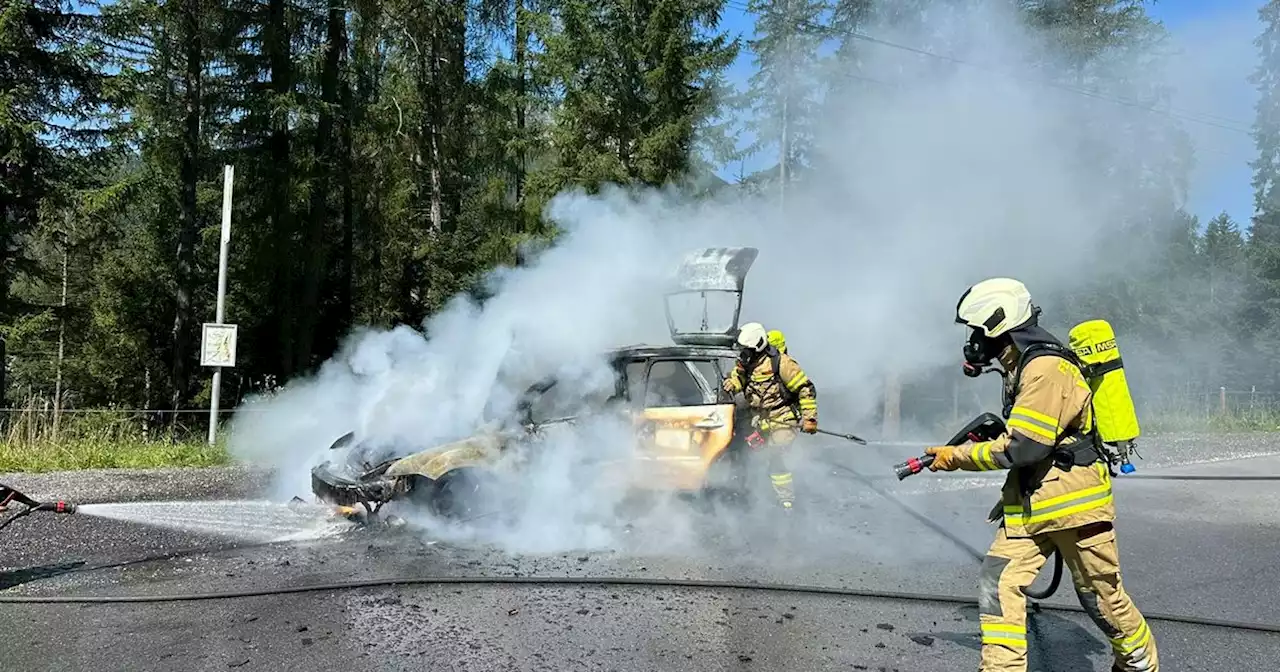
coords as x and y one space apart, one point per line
778 441
1091 555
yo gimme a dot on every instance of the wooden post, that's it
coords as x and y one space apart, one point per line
955 401
1222 400
892 405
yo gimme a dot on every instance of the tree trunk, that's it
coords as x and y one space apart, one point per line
519 48
362 222
188 226
62 333
314 244
346 260
784 142
892 406
282 230
432 92
454 131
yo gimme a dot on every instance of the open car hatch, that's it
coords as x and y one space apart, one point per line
705 298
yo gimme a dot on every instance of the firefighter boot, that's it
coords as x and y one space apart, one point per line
1009 566
1093 557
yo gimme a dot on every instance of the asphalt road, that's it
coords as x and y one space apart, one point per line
1194 548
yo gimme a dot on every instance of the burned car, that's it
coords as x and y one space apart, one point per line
689 435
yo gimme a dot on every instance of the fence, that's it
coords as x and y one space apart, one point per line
38 422
929 412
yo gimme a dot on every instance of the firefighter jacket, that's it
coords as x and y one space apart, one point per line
776 388
1057 480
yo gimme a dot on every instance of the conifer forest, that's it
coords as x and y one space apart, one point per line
388 154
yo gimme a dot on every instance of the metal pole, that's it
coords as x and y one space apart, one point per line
228 173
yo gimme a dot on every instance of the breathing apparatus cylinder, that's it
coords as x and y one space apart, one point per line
1094 342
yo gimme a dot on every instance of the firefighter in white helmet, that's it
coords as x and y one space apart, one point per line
1058 492
781 397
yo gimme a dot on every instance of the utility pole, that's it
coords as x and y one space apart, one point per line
218 342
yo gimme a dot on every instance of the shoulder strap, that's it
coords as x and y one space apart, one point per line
1033 352
775 360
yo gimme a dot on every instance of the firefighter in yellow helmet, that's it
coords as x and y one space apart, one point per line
781 397
777 340
1058 491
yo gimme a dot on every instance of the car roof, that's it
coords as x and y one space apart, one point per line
641 351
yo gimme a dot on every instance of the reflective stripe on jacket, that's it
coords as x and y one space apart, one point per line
782 399
1051 412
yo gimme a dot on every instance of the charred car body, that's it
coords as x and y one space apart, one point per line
688 434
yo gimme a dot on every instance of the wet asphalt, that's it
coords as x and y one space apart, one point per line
1192 548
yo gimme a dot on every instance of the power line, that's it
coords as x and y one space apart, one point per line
1195 117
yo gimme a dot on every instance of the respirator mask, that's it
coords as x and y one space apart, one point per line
979 350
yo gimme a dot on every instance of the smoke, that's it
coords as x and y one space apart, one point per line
931 177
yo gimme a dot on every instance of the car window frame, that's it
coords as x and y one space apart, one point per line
708 390
536 391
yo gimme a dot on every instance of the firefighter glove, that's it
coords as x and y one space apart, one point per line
945 458
809 426
729 385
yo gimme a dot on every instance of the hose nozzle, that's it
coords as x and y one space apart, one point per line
912 466
56 507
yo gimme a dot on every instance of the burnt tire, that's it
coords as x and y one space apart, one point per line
728 480
461 495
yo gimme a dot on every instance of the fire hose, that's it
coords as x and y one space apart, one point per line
8 496
985 427
594 581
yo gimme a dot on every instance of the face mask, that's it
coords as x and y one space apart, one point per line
978 353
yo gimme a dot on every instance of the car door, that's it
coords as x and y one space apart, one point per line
682 426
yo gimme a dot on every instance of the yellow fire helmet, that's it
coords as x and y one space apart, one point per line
777 340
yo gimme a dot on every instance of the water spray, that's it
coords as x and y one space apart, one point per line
8 496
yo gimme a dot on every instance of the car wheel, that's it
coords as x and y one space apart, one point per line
727 479
461 495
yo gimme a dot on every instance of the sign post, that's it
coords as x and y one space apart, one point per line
218 340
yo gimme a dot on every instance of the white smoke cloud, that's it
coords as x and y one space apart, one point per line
947 175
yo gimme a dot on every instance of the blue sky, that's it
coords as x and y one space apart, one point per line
1216 38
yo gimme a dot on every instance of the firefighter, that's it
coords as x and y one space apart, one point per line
781 397
777 340
1058 491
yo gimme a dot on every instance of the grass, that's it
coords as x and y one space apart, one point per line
1218 423
80 453
30 441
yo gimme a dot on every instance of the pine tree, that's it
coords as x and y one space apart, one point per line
1222 250
639 82
1263 246
1223 274
49 85
784 92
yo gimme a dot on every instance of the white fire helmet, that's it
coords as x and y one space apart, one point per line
752 336
995 306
